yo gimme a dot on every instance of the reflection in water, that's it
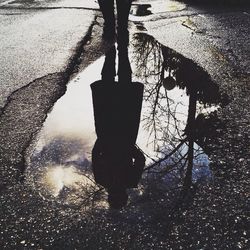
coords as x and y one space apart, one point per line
60 177
162 6
181 102
58 170
117 163
141 10
156 6
178 120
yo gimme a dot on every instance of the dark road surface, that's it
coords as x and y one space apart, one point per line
57 205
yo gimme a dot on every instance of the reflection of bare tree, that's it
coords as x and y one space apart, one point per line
175 129
150 68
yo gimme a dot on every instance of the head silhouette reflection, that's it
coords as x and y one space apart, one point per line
117 163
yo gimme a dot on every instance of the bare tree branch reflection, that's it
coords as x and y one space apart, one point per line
175 124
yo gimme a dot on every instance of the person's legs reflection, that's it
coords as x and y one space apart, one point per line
108 69
124 67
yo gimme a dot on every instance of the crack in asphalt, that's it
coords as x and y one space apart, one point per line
71 68
21 118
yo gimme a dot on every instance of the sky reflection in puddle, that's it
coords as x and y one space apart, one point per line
58 177
62 150
59 163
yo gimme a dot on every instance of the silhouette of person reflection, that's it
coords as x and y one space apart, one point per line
109 29
117 163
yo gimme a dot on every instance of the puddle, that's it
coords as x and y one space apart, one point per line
178 118
141 10
155 7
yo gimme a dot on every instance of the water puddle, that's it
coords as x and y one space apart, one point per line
155 7
178 118
141 10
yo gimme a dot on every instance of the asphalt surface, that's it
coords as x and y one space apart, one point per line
37 42
211 216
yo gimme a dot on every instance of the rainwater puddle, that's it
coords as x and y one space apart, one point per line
177 120
141 10
155 7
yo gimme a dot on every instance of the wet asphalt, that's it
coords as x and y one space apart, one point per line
214 216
